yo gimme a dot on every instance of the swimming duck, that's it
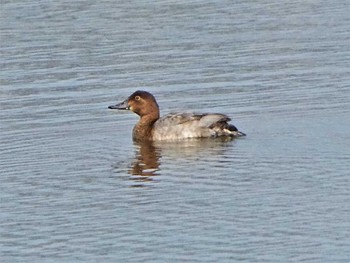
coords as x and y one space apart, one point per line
173 126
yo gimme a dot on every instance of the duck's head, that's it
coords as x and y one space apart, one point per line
141 102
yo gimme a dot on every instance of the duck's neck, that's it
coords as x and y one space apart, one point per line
143 129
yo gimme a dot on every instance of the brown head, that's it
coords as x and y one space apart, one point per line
142 103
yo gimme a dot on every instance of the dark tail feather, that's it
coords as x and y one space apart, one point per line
235 131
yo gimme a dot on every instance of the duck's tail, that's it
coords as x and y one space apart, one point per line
219 125
222 128
233 131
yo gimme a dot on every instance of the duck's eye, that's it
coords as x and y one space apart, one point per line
137 98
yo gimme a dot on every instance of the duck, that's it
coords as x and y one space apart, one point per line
173 126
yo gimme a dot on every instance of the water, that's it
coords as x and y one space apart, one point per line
73 185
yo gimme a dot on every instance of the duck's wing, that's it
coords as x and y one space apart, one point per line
202 120
192 125
211 119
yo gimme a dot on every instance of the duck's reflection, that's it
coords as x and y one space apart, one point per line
147 160
148 157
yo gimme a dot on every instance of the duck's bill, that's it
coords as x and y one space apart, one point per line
120 106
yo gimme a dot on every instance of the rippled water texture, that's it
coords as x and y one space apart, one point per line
75 188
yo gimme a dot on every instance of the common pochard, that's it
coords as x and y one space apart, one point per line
173 126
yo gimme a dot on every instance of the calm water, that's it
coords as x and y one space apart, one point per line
73 185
